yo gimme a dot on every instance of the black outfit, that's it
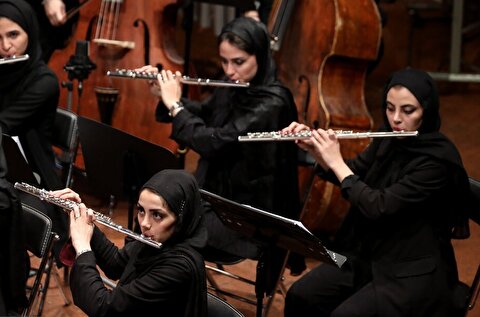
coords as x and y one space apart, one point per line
406 196
260 175
13 256
170 280
29 93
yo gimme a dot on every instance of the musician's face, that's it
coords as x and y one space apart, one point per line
13 39
404 112
154 216
237 64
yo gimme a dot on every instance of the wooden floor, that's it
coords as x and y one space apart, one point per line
460 109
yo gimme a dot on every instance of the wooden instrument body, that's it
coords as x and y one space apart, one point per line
134 111
325 71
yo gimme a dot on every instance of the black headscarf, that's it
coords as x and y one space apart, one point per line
422 86
430 141
257 42
180 191
21 13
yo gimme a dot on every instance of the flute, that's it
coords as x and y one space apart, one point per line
131 74
99 217
14 59
306 134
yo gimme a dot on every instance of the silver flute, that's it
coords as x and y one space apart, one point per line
131 74
14 59
99 217
306 134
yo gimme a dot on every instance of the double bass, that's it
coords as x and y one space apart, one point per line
326 70
123 34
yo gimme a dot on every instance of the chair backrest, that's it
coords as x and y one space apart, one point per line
217 307
65 137
65 130
38 228
39 240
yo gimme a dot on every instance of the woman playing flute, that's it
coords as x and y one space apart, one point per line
169 280
406 195
263 176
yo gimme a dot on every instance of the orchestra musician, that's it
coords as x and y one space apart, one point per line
29 93
169 280
406 195
263 176
12 258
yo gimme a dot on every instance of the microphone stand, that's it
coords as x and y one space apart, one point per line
78 67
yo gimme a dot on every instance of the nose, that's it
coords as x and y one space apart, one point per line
397 118
229 69
5 45
145 223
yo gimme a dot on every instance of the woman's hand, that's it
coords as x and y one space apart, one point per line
81 219
170 87
324 147
153 84
68 194
304 144
55 11
81 227
327 147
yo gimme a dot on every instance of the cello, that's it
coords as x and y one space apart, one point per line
124 34
326 71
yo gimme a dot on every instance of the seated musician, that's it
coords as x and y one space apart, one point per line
169 280
29 93
406 195
263 176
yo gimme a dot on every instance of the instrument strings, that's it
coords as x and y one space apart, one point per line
131 74
99 217
306 134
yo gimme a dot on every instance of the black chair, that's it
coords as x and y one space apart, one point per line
217 307
39 240
270 263
220 263
474 288
65 138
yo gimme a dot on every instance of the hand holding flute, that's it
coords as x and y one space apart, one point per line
167 86
81 220
324 147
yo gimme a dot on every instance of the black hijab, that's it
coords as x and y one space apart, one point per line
21 13
430 141
422 86
180 191
256 41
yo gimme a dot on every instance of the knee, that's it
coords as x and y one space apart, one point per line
295 301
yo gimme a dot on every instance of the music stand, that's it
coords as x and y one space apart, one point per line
118 163
18 169
271 230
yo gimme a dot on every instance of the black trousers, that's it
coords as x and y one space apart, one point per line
330 291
